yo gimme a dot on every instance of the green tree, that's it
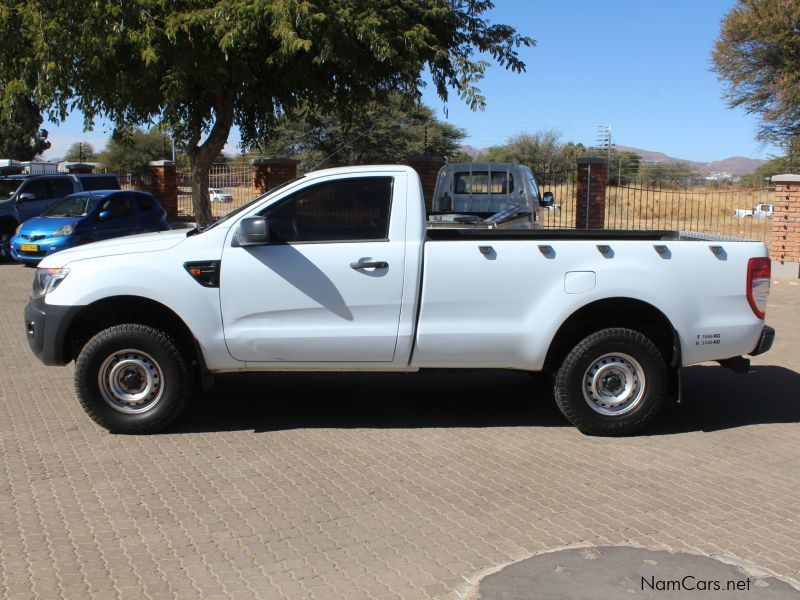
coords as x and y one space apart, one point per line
624 168
543 151
21 135
201 66
80 152
129 151
385 131
757 54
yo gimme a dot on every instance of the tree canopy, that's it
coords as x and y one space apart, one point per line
80 152
21 135
130 151
201 66
385 131
757 54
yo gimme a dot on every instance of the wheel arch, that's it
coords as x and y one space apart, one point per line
629 313
116 310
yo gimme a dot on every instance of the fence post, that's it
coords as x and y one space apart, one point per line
590 193
164 185
269 173
785 243
427 167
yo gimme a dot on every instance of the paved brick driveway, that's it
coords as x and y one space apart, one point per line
380 486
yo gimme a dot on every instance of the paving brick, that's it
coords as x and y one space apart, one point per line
357 486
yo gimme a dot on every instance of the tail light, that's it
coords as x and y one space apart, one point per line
759 271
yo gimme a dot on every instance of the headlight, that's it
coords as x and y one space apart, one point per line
46 280
64 231
18 228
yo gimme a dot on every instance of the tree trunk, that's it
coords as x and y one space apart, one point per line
200 198
201 156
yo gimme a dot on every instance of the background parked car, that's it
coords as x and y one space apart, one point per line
23 197
87 217
759 211
218 195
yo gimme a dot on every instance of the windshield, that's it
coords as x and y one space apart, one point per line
77 206
243 207
8 187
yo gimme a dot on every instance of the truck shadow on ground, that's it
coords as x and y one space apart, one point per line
714 398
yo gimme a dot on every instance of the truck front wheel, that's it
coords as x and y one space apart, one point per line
612 383
132 379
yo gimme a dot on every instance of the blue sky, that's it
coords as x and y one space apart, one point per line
642 67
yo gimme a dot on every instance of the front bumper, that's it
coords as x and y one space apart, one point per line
46 327
46 246
765 341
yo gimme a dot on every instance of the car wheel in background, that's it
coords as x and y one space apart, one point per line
5 243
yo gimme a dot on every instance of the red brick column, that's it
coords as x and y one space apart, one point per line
785 243
269 173
164 185
427 166
590 193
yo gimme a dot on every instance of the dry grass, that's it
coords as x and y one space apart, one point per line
691 209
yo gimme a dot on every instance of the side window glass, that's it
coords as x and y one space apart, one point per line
145 203
342 210
60 188
534 185
37 187
116 207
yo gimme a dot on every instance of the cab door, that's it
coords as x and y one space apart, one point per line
328 286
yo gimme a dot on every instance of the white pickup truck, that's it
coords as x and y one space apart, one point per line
337 271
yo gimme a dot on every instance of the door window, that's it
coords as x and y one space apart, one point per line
354 209
116 207
37 187
145 203
60 187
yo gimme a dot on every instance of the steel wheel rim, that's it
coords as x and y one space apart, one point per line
614 384
131 381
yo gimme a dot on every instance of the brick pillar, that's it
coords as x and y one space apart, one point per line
164 185
269 173
785 243
590 193
427 166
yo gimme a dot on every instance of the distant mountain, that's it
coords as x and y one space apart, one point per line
735 165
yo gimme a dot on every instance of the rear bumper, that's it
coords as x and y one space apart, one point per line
765 341
46 327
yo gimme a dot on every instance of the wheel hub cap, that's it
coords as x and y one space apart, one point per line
131 381
614 384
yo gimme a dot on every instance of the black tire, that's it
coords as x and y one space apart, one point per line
608 361
5 243
151 356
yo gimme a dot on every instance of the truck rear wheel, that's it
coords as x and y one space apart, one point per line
132 379
612 383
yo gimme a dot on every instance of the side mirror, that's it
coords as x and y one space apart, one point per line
104 214
26 197
548 199
253 231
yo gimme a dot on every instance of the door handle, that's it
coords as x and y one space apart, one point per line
375 264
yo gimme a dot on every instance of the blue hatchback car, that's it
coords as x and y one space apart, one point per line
87 217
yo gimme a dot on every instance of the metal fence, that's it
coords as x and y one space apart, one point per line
230 186
706 208
719 209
